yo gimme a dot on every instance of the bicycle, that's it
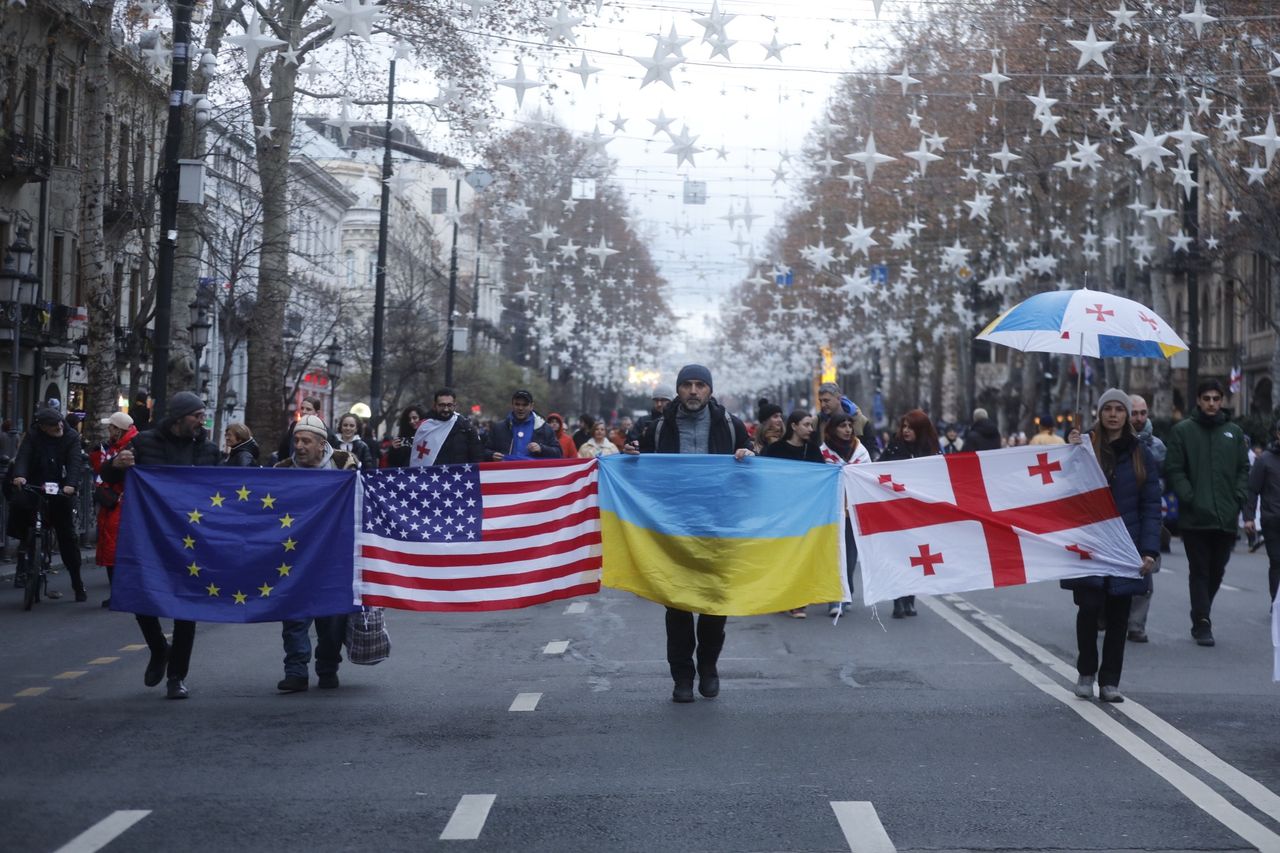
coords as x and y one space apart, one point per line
35 555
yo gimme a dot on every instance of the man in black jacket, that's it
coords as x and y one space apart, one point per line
51 453
443 436
178 439
662 397
1264 484
983 433
523 434
695 424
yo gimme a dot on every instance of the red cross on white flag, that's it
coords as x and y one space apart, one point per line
980 520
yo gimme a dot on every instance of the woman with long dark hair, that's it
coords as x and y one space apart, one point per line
795 443
916 437
840 446
397 455
1134 477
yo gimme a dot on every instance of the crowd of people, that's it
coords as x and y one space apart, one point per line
1219 486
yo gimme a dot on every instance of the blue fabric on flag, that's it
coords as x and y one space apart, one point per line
236 544
1111 346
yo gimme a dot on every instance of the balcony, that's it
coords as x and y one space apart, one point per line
24 156
125 208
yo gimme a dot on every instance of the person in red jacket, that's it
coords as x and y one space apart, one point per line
567 447
120 431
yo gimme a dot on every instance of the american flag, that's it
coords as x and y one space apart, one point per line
479 537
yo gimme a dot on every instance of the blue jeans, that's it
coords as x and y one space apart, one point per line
330 632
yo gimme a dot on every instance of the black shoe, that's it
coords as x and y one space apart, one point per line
1202 631
155 668
709 686
81 595
910 608
328 680
683 692
106 604
1137 636
293 684
899 609
176 688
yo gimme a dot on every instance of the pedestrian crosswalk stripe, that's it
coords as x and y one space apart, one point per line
468 817
525 702
103 832
861 826
556 647
576 607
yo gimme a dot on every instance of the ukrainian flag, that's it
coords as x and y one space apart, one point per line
713 535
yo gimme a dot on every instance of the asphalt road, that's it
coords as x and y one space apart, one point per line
955 730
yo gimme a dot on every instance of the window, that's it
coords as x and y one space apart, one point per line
123 157
55 270
62 126
106 153
135 293
351 268
439 200
1259 285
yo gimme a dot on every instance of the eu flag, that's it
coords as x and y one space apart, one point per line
236 544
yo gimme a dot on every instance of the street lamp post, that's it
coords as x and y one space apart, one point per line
229 404
16 273
333 368
199 329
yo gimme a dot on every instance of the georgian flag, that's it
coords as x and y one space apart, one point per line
969 521
428 440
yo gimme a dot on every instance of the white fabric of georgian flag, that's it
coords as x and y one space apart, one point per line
969 521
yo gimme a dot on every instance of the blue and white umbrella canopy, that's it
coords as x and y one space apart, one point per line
1084 322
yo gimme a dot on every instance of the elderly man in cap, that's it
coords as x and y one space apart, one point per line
120 431
50 453
662 397
311 450
523 434
179 438
695 424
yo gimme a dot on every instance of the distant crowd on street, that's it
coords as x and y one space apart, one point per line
1205 476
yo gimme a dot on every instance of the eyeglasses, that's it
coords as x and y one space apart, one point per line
1211 398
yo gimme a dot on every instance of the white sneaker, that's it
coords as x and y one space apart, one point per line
1110 693
1084 687
834 610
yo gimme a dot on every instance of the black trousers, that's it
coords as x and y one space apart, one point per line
1207 554
1271 538
58 514
184 637
684 641
1115 609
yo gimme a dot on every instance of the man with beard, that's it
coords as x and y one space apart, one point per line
523 434
695 424
444 438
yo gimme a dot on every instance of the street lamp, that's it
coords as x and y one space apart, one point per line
333 367
21 287
229 405
199 328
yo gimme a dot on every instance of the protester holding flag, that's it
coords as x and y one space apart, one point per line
1133 475
444 437
522 434
695 424
832 401
178 439
795 442
841 447
916 438
398 453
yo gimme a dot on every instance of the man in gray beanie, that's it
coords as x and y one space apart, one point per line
312 451
695 424
178 439
662 397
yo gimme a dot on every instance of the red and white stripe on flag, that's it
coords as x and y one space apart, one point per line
479 537
969 521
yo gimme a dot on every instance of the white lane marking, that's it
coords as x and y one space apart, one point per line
525 702
861 827
102 661
1229 588
1199 793
960 605
576 607
103 832
556 647
31 691
468 817
70 674
1258 795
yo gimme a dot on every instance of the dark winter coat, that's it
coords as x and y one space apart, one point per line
244 455
1139 508
159 446
786 450
1207 467
360 450
42 459
726 433
1264 482
983 435
462 444
899 450
501 437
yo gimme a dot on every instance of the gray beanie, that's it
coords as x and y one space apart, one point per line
1115 395
184 403
662 392
690 372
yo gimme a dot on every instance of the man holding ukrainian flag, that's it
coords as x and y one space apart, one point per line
696 424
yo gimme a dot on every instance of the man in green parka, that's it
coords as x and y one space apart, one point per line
1208 469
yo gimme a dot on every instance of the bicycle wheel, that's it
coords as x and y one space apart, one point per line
34 571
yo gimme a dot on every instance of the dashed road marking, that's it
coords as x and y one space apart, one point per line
525 702
1229 588
1196 791
4 706
103 832
861 827
133 647
31 691
556 647
70 674
468 817
102 661
576 607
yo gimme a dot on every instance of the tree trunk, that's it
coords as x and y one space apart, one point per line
104 376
